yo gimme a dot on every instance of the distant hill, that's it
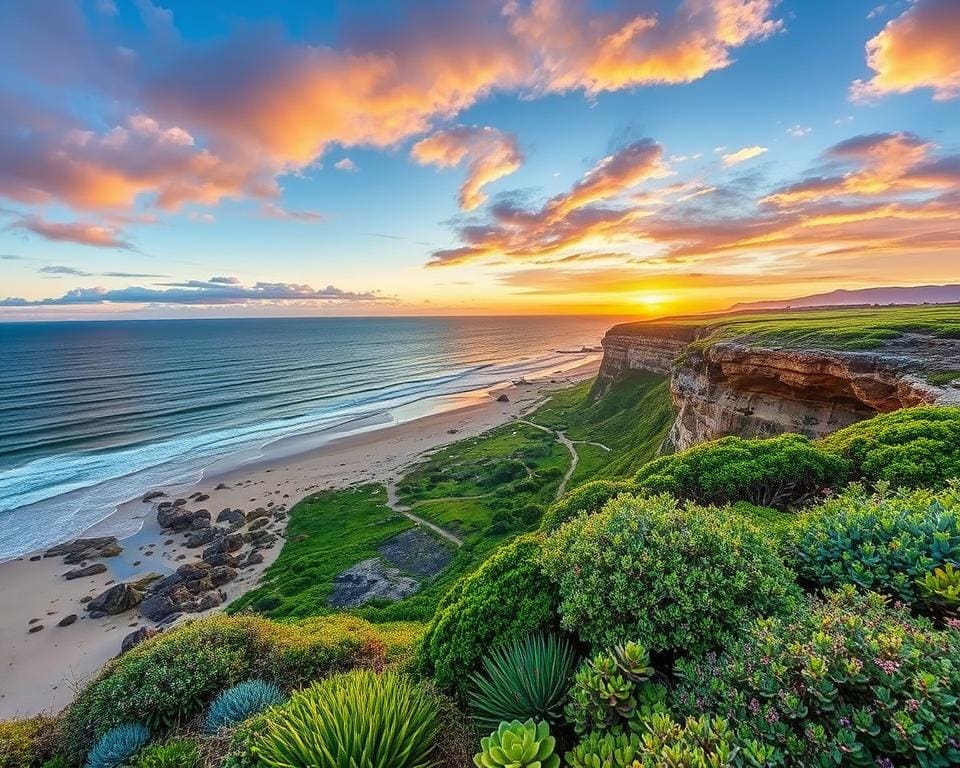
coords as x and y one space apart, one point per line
920 294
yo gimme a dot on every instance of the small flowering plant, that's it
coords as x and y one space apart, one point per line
852 681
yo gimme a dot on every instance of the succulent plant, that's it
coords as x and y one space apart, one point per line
241 701
605 750
523 679
176 753
613 690
518 745
118 745
941 587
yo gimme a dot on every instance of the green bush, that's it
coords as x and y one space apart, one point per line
176 753
660 742
612 691
518 745
673 580
527 678
585 499
913 447
241 702
887 542
852 682
941 588
780 472
358 719
506 598
118 745
243 740
22 741
169 678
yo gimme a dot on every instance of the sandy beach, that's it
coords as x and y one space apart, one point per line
40 669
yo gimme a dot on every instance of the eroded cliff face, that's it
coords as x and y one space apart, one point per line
728 388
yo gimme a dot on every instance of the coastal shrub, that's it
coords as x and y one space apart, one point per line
660 741
941 588
675 580
241 747
613 690
176 753
780 472
887 542
518 745
506 598
169 678
913 447
588 498
526 678
850 682
240 702
118 745
22 742
360 718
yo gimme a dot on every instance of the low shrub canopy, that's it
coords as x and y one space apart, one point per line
675 580
779 472
887 542
583 500
358 719
504 599
20 741
913 447
170 677
176 753
851 682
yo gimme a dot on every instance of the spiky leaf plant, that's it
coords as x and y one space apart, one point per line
941 587
358 719
518 745
118 745
176 753
240 702
526 678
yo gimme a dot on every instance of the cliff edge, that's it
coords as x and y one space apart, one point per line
755 375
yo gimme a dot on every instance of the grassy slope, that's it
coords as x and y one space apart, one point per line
632 418
838 329
513 471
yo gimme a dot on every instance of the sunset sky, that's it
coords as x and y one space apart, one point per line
185 159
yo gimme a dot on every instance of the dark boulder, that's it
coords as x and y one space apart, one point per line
82 573
255 557
202 537
229 543
222 574
232 517
503 399
136 637
148 497
66 621
158 608
117 599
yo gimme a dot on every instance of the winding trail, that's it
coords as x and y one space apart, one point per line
394 503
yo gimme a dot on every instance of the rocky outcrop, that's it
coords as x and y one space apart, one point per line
747 389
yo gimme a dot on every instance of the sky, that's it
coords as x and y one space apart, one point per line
645 157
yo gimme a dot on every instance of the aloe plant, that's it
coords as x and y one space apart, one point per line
118 745
358 719
518 745
527 678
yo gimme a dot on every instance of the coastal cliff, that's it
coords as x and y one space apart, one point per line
750 387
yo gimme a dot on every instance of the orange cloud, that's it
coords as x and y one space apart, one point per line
742 155
490 155
73 232
918 49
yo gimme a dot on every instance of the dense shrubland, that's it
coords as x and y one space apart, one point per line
739 604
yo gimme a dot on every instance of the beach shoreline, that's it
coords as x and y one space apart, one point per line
40 670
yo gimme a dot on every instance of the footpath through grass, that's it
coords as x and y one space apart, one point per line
486 490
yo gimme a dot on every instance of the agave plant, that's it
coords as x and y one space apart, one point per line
360 718
523 679
518 745
118 745
240 702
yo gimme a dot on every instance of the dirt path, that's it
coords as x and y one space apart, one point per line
394 503
568 444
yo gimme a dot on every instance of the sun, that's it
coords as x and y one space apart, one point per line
651 299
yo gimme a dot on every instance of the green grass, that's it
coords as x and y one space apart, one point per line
942 378
328 533
853 328
632 418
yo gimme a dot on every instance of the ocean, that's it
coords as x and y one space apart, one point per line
93 414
